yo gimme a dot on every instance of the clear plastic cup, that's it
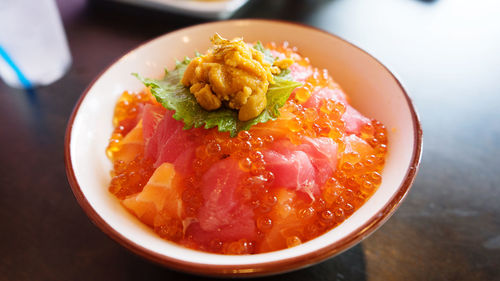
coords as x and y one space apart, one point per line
33 46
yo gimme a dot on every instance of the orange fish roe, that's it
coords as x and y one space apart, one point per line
281 217
130 178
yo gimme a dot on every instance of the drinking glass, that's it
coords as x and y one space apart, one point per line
33 46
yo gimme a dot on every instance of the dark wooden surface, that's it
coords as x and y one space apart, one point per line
447 54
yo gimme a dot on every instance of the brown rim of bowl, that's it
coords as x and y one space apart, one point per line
257 269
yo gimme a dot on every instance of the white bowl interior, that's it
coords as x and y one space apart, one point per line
372 89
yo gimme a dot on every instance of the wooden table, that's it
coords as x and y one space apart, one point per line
446 53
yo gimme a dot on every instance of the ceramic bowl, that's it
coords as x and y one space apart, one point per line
372 88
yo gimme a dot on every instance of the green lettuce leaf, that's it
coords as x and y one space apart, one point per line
170 92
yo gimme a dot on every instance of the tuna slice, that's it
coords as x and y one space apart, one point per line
161 194
167 141
353 120
152 115
292 169
304 167
323 154
222 216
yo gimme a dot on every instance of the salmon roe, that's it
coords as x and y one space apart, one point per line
356 177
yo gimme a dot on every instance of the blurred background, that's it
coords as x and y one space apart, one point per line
445 52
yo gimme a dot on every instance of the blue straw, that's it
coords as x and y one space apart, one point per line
22 78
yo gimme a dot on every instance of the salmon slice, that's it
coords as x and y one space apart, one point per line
131 145
287 223
355 144
161 194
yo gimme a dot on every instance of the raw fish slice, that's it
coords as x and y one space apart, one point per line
353 120
161 193
277 128
171 147
287 222
304 167
184 162
355 144
151 117
223 215
165 129
321 147
291 167
131 145
169 141
323 155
